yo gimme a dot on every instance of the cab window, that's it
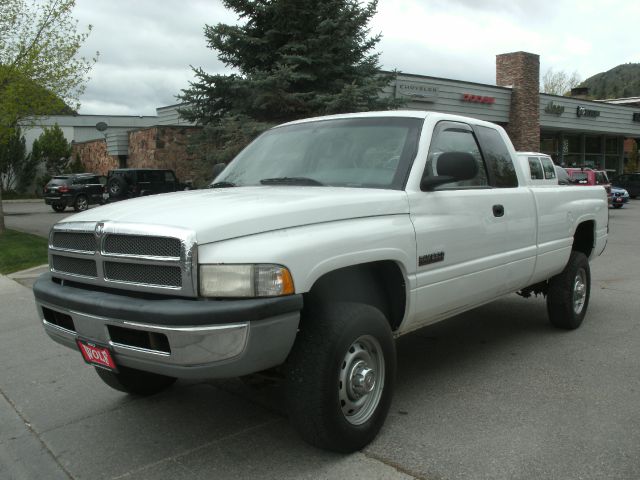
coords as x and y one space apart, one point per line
455 137
548 167
601 178
535 168
502 172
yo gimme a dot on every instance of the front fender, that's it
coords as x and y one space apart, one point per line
312 251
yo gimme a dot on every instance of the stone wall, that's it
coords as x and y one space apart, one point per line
521 72
163 147
94 156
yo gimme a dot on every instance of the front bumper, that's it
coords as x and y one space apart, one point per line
182 338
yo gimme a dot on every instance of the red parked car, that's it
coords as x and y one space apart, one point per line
587 176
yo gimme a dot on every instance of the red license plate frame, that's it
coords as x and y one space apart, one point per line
97 355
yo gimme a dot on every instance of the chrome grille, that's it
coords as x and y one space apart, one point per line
74 241
74 266
142 245
146 258
146 274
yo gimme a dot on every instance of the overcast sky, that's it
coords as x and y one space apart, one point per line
147 46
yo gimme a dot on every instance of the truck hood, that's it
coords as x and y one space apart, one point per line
224 213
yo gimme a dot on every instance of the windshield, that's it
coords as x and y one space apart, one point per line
359 152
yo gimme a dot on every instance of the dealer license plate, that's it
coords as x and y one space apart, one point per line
96 355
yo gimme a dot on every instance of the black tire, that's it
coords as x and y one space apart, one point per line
617 205
136 382
117 187
81 203
569 292
58 208
329 363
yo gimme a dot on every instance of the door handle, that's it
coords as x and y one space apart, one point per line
498 210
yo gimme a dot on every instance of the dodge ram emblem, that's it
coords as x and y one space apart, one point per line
99 229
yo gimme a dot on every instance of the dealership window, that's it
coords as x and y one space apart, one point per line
549 145
572 151
611 146
592 144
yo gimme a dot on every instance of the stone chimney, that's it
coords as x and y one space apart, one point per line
521 72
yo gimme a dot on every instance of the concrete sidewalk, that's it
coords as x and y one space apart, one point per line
23 454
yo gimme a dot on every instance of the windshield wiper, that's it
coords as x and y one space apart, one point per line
222 185
291 181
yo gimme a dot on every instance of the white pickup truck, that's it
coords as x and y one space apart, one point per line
323 241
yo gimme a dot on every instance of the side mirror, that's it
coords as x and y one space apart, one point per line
451 167
217 170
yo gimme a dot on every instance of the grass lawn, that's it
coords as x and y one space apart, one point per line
19 251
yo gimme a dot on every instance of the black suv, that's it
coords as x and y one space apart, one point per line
126 183
77 190
630 182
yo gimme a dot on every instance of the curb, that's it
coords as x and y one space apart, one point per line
29 272
24 200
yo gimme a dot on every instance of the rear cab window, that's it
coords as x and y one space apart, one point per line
502 171
580 177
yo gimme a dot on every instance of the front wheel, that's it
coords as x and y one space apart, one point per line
569 291
136 382
340 376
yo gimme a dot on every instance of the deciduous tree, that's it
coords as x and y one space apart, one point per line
41 72
559 82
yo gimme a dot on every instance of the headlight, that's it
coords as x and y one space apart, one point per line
245 281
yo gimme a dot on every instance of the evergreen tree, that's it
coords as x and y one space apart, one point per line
75 166
17 168
294 59
52 148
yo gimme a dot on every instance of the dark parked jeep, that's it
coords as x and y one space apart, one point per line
74 190
126 183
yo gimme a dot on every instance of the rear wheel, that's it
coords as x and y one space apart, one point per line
568 294
340 376
117 187
81 203
136 382
58 208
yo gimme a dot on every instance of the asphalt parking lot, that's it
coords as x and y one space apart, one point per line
495 393
33 216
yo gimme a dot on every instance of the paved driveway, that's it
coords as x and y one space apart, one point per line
495 393
32 216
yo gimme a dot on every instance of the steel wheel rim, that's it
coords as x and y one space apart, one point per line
361 380
579 291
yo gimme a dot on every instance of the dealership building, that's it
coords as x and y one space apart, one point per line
573 130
